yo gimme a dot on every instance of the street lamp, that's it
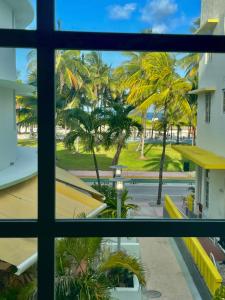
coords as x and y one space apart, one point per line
119 185
117 170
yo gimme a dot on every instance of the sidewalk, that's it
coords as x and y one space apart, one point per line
165 272
135 174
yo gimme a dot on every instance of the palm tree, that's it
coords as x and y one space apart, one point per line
132 76
23 287
27 112
87 130
111 195
162 87
119 126
99 77
83 266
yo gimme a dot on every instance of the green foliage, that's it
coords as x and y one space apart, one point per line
83 266
220 293
111 200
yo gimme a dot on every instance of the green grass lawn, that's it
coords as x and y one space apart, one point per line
83 161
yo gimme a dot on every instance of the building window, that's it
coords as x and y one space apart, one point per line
208 58
207 188
224 101
207 108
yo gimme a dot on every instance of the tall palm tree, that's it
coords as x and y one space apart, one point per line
83 266
99 77
119 126
132 76
162 87
27 112
87 129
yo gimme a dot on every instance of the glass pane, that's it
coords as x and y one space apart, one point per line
19 14
121 109
138 268
18 268
18 134
148 16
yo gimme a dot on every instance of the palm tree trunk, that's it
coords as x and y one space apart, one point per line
178 134
193 136
162 164
117 154
96 167
143 136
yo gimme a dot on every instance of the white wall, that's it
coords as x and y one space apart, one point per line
6 16
216 195
7 128
8 64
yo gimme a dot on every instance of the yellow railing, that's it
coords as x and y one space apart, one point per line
207 269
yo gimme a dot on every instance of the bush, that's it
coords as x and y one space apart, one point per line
220 293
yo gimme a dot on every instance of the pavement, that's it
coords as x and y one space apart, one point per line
165 270
135 174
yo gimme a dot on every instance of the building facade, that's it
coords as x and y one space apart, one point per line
209 155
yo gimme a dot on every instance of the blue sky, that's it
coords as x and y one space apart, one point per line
162 16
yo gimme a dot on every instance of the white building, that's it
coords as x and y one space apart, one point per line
209 154
18 165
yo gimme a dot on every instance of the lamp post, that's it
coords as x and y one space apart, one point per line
117 170
118 180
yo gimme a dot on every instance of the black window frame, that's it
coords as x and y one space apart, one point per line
45 39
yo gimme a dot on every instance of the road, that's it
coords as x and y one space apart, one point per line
145 196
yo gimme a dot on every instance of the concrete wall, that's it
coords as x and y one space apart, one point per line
211 135
8 64
7 128
216 195
6 15
212 9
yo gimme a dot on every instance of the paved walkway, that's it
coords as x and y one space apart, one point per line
164 273
135 174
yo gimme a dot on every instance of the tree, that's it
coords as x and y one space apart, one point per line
83 265
87 129
119 126
99 77
27 112
132 77
166 90
111 201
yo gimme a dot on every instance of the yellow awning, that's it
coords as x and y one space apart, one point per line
15 251
203 158
208 26
20 202
66 177
202 91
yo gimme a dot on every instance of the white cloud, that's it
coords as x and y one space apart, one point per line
157 10
159 28
121 12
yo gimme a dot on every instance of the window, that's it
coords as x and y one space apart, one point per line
223 100
207 108
208 58
207 188
46 228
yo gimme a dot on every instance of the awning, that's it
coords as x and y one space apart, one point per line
203 158
68 178
20 202
18 252
208 26
202 91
